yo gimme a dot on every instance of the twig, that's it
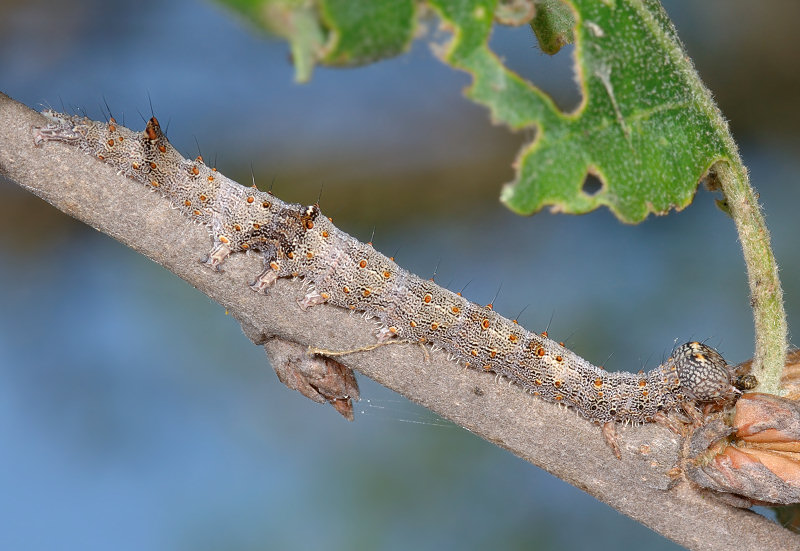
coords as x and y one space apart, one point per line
542 433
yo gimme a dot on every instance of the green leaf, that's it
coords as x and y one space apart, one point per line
334 32
365 31
647 128
294 20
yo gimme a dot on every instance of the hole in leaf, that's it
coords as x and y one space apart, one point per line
592 185
552 74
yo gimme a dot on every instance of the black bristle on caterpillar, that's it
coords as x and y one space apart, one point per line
298 241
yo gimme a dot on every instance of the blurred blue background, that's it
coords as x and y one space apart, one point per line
135 415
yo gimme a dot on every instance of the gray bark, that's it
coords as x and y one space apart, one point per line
547 435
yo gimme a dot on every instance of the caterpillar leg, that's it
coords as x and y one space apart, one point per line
609 431
60 130
217 256
53 133
269 275
386 333
312 298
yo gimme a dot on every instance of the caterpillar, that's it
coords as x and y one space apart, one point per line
298 241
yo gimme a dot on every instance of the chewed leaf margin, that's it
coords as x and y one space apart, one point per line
646 128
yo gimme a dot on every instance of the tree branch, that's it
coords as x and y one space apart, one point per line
544 434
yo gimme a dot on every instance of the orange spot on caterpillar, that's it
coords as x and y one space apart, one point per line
367 292
325 296
642 383
413 323
487 367
274 265
562 344
434 326
195 170
352 307
559 359
393 330
187 203
256 226
162 148
309 225
512 338
346 290
490 306
199 159
325 233
223 239
363 264
474 352
266 204
538 382
557 383
486 323
540 351
493 353
290 255
515 322
387 274
250 199
458 293
600 394
150 132
427 298
391 258
111 142
558 397
203 197
214 169
210 178
154 183
196 212
598 383
455 309
245 246
135 166
120 139
544 334
111 127
101 157
237 227
152 165
309 255
330 219
645 393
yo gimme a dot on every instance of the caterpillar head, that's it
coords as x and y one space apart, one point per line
703 373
